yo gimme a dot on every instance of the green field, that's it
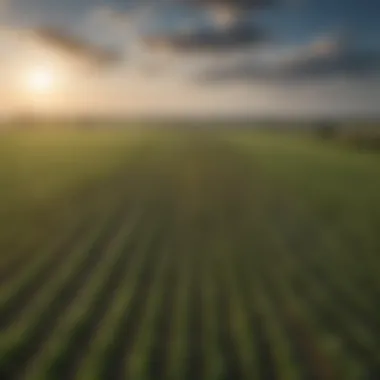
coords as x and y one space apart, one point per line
178 255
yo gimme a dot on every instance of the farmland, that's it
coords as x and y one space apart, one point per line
188 255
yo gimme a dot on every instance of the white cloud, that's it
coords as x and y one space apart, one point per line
223 16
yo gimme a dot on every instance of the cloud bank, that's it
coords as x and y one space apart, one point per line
75 47
234 37
328 57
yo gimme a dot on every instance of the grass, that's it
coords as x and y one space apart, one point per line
188 255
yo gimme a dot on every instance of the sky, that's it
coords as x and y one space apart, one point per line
281 58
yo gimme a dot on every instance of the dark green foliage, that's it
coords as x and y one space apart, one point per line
327 130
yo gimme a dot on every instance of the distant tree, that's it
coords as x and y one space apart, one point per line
366 141
327 130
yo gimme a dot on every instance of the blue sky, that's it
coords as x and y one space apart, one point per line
316 50
292 19
308 17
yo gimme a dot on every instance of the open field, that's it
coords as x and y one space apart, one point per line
204 255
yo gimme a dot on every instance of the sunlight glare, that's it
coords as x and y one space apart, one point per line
41 80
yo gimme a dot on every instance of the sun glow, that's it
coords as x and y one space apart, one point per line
41 80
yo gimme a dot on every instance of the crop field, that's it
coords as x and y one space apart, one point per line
188 255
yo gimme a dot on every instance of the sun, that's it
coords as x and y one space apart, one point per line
41 80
